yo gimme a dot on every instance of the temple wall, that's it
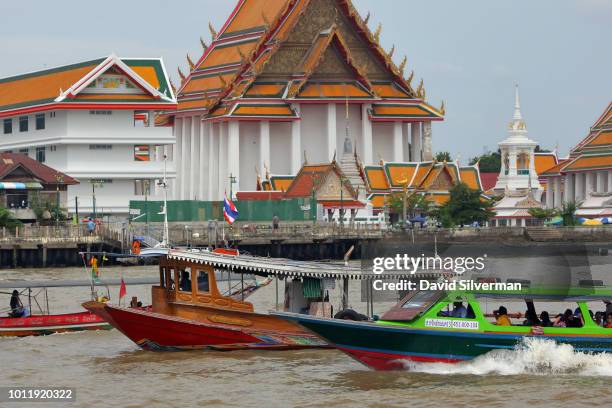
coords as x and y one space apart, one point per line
249 155
382 140
314 132
280 148
354 128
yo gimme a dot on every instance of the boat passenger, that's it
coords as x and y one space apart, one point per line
502 317
578 318
459 310
599 319
470 312
531 318
608 323
185 284
17 309
545 319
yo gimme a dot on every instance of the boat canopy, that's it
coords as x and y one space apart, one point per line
287 268
82 283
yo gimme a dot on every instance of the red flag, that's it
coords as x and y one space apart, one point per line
122 289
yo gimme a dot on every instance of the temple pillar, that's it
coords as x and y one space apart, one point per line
184 159
194 160
550 202
427 143
578 187
557 192
512 162
415 135
204 163
398 142
406 141
366 132
331 130
568 194
222 160
213 163
589 184
264 146
296 143
609 181
233 154
601 182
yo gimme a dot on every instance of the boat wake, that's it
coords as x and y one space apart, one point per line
533 356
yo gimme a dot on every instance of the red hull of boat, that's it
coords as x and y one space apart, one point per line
388 361
51 324
154 331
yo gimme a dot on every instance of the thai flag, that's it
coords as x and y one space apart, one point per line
229 211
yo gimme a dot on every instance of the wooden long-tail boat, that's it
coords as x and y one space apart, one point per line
421 329
190 312
41 325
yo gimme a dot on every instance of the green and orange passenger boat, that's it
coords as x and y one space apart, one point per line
419 329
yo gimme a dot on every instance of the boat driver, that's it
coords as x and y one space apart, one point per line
17 309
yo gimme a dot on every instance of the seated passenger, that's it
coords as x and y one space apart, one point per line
459 310
545 319
608 324
561 319
470 312
502 317
185 284
17 309
531 319
599 319
578 320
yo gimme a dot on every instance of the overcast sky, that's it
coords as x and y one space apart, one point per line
469 52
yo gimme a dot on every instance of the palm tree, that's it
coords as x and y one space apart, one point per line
7 219
568 213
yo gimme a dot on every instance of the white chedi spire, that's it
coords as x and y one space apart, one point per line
517 104
517 129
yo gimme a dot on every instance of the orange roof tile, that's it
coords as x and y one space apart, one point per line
376 178
402 111
544 161
591 162
471 177
281 183
600 139
253 14
389 90
264 110
378 201
399 174
337 91
262 90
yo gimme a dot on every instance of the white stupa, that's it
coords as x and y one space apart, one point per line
518 172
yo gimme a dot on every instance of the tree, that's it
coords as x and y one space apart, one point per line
415 204
542 213
7 219
568 213
464 207
46 211
488 162
444 157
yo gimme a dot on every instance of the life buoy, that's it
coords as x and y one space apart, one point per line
136 247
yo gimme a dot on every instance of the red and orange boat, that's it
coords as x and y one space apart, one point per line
41 325
190 312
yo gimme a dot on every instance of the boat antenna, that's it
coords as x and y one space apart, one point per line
164 184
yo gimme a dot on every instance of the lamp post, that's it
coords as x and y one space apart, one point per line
94 184
59 178
232 180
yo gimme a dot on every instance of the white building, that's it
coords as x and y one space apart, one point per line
93 121
276 88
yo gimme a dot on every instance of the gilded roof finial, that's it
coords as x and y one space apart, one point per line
203 43
173 87
392 51
443 108
410 78
223 81
243 57
213 32
190 62
421 90
367 18
402 66
377 33
181 75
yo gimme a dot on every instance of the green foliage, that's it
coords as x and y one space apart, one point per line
7 218
568 213
542 213
46 210
489 162
444 157
464 207
415 204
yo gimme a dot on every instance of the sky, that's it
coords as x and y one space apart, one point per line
470 53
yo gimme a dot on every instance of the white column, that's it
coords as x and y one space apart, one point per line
398 142
550 202
194 161
601 181
296 143
568 195
151 119
589 184
331 131
415 130
203 157
366 134
427 142
233 153
512 163
264 146
213 163
222 160
579 186
609 181
184 160
557 192
176 158
406 141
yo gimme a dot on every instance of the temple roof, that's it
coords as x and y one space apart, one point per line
127 84
288 50
545 161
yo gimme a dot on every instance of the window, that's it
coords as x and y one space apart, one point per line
99 112
141 153
53 148
142 187
41 154
100 147
40 121
8 126
185 280
23 123
52 114
17 200
203 281
171 279
25 151
162 277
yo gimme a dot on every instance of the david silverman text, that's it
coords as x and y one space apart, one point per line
447 286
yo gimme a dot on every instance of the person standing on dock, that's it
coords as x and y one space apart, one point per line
275 223
91 226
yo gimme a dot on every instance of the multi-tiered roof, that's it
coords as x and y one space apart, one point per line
272 53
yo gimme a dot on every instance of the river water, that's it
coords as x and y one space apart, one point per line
107 369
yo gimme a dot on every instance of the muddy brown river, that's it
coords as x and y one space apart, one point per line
108 370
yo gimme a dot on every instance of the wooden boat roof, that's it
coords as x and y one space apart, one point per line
75 283
285 267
